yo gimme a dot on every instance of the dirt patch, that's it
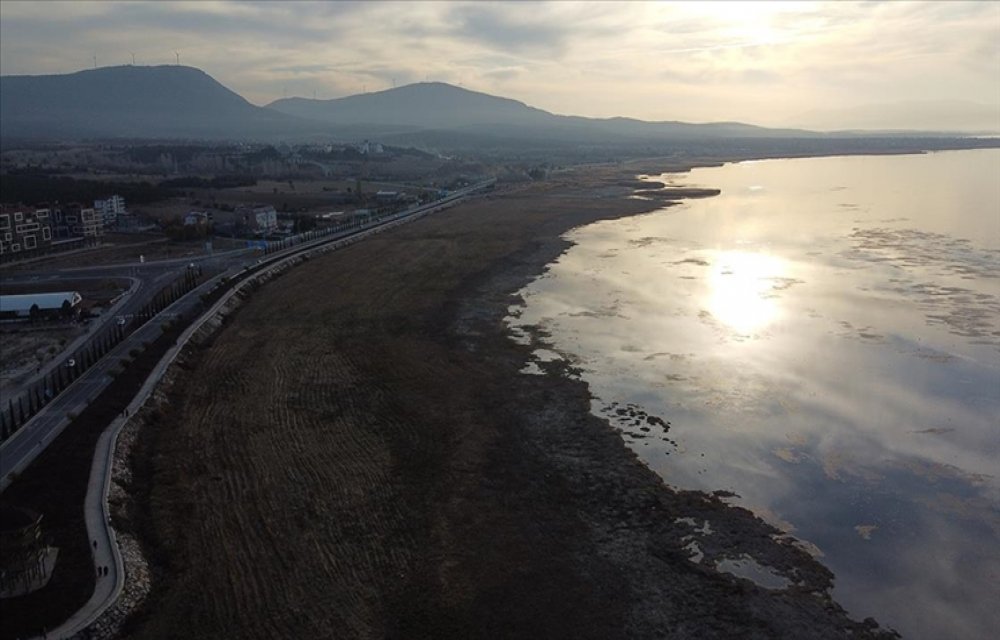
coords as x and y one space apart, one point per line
356 455
127 248
27 346
24 350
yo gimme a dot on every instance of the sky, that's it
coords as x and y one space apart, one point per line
821 65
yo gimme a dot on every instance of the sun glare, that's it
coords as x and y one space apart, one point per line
748 23
739 290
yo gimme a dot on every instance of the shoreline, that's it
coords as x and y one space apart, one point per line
578 515
638 512
533 515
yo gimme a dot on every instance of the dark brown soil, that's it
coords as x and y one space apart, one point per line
55 485
356 456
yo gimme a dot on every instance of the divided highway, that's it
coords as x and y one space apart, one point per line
20 449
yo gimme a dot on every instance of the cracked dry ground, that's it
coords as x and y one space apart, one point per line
355 456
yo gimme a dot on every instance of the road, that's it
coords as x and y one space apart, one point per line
106 553
19 450
147 279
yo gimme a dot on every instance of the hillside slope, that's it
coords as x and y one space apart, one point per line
442 107
129 101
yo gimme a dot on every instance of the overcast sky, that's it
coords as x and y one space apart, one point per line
816 64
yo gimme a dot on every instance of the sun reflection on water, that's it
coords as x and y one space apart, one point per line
740 289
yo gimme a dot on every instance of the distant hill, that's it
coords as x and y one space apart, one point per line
130 101
443 107
425 105
950 115
173 101
176 102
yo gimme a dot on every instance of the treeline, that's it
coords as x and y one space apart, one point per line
21 409
35 188
350 154
149 154
218 182
32 169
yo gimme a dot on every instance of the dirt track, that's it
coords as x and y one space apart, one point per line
356 456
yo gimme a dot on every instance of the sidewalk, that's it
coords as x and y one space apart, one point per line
104 543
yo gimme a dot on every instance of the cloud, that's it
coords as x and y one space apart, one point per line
758 62
494 26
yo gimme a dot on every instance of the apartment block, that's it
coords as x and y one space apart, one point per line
24 229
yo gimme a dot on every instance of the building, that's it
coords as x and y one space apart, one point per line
110 209
75 220
197 219
27 561
367 147
24 230
40 305
259 219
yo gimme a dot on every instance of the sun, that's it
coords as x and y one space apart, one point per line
740 288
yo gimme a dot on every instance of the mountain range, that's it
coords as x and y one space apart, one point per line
178 102
128 101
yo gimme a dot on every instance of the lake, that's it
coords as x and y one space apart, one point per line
824 340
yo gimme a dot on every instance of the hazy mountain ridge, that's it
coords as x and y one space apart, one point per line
440 106
173 101
432 105
129 101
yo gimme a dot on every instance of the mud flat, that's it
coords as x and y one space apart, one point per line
356 454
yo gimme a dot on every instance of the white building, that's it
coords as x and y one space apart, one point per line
367 147
19 306
24 229
110 209
261 219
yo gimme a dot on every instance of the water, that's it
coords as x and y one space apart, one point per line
824 338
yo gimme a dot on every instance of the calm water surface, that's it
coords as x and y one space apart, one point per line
824 338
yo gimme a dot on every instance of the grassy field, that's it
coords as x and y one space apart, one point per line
356 456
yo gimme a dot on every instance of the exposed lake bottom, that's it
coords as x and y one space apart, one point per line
822 342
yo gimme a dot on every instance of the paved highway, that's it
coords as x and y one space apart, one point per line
19 450
147 279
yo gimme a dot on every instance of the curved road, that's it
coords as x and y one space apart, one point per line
18 452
